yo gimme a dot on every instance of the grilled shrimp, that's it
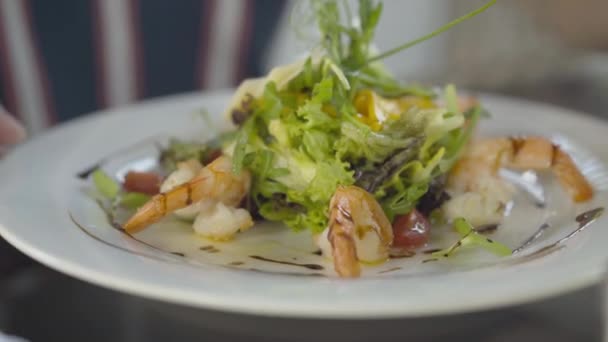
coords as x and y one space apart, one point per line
480 196
221 222
184 173
486 157
358 231
214 182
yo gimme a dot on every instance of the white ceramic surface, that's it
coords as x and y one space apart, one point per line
39 190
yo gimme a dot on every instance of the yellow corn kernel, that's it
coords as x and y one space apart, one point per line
365 105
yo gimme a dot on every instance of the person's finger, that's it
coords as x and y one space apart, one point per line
11 132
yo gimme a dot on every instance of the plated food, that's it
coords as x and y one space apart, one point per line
334 144
558 245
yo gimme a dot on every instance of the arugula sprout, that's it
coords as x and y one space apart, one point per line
432 34
469 237
355 57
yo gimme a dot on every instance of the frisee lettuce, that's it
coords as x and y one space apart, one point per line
303 139
288 145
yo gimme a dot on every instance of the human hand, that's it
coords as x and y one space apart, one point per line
11 132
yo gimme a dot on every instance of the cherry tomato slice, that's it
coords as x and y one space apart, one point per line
144 182
411 230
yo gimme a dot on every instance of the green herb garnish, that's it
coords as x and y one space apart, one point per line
469 237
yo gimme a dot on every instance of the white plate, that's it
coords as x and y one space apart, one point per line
39 191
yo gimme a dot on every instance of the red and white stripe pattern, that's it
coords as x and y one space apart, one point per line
246 30
25 76
226 27
209 8
118 52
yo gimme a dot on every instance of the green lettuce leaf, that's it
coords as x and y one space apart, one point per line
288 145
133 200
105 185
178 151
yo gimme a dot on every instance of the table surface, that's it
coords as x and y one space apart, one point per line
43 305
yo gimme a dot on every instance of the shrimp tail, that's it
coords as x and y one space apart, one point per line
486 157
537 153
160 205
214 182
570 177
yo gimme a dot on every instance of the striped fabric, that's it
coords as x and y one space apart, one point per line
63 58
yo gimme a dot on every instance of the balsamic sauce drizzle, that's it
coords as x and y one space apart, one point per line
401 254
584 220
292 274
95 237
539 232
112 222
209 249
431 251
390 270
308 266
154 257
486 228
84 174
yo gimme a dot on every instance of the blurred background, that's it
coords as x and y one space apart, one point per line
62 59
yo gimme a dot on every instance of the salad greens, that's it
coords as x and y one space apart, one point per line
110 189
105 185
344 120
133 200
178 151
